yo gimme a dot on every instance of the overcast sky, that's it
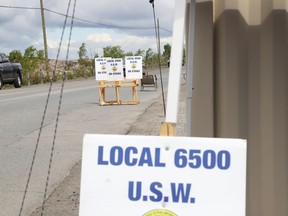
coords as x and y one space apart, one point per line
128 23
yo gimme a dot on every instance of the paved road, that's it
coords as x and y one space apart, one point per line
21 111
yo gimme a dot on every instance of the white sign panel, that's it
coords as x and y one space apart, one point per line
115 69
101 68
133 67
162 176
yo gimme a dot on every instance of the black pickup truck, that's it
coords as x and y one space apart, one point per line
10 73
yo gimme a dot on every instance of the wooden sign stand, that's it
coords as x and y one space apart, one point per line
167 129
117 85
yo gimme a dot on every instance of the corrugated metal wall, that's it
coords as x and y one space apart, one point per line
241 91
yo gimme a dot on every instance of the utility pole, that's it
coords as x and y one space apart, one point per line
44 36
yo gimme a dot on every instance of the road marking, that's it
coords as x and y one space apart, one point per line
54 92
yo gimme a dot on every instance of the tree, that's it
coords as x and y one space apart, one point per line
129 54
15 56
85 64
41 54
167 51
31 61
148 57
139 52
82 53
30 52
113 52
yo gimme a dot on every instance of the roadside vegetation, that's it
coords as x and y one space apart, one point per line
36 71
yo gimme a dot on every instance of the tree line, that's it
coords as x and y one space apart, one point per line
35 69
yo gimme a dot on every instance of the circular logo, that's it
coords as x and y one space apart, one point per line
103 67
159 212
114 68
134 66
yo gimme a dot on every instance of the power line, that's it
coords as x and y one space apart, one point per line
44 115
104 25
19 7
157 34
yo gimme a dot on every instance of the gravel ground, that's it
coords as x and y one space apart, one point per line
64 200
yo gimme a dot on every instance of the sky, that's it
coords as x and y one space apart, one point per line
98 24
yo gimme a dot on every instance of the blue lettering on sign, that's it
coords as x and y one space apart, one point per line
151 157
134 195
180 192
128 160
130 156
133 71
157 194
117 158
101 160
208 159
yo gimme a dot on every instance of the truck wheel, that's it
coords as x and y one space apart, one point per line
1 83
18 82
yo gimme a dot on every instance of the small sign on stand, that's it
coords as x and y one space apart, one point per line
134 69
101 69
109 70
115 69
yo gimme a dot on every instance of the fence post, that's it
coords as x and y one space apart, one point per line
28 78
41 76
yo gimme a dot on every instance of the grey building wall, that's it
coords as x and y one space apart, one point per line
241 91
203 85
